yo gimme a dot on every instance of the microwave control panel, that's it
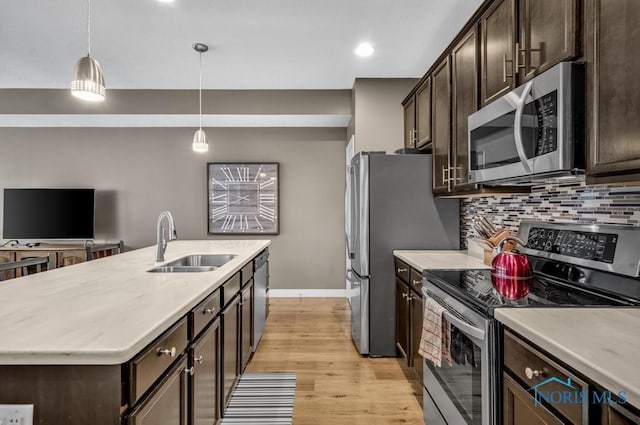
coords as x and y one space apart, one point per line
546 113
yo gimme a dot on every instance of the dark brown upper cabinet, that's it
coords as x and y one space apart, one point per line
547 35
613 90
441 126
410 123
417 118
497 50
423 116
513 51
464 65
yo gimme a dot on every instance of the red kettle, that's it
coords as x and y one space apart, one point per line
511 272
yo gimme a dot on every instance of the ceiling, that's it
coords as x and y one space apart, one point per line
254 44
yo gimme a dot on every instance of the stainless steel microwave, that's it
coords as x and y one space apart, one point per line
532 134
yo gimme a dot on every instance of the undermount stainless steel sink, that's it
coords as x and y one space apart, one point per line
195 263
182 269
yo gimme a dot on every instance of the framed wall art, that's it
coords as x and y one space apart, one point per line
243 198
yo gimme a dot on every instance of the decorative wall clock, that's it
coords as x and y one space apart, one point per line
243 198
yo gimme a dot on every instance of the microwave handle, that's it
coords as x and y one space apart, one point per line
517 127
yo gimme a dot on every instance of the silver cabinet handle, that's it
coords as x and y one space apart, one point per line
404 295
532 372
504 68
417 282
190 370
209 311
401 271
518 51
167 352
199 359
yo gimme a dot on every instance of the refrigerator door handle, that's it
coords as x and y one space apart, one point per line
349 210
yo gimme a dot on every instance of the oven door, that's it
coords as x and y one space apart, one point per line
528 131
461 393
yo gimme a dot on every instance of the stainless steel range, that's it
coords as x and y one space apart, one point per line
574 265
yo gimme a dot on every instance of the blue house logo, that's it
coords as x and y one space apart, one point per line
554 396
572 395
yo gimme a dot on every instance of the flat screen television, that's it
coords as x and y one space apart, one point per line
48 214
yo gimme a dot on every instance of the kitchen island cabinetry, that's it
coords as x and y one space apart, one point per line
153 357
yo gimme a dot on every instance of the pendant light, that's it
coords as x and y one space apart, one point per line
88 81
200 143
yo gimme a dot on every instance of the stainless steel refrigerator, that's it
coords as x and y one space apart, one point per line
389 206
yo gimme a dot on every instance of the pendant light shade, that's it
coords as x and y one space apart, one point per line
88 80
200 143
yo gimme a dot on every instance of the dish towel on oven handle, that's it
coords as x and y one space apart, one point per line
435 343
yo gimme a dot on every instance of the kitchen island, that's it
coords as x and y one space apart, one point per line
105 341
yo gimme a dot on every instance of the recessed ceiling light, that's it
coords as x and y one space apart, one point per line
166 1
364 49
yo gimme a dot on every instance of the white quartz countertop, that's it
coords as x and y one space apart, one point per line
105 311
440 260
602 344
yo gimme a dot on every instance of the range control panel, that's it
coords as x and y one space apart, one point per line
588 246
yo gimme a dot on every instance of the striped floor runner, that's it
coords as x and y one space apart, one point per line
262 398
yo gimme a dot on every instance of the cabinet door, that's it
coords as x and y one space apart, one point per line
416 312
464 64
230 354
441 127
246 328
519 406
402 318
613 86
204 383
167 403
410 123
497 45
547 35
617 415
423 115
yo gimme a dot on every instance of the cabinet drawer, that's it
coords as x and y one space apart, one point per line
521 360
151 363
402 270
247 273
204 313
230 288
416 282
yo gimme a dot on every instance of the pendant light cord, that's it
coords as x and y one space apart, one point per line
200 91
89 26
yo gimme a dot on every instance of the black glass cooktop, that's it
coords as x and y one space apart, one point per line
475 289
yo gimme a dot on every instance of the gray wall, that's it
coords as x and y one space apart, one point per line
378 116
139 172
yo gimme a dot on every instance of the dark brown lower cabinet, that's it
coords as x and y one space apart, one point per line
519 406
246 328
617 415
416 312
230 344
204 383
402 318
167 403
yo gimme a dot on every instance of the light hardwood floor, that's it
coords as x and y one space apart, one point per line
335 385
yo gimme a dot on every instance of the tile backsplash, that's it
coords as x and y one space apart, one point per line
567 203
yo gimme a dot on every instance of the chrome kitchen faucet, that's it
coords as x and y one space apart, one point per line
161 241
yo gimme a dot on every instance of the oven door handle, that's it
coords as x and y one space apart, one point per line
468 329
517 127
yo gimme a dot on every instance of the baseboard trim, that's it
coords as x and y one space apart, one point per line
307 293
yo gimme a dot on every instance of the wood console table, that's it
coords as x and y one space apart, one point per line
66 255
